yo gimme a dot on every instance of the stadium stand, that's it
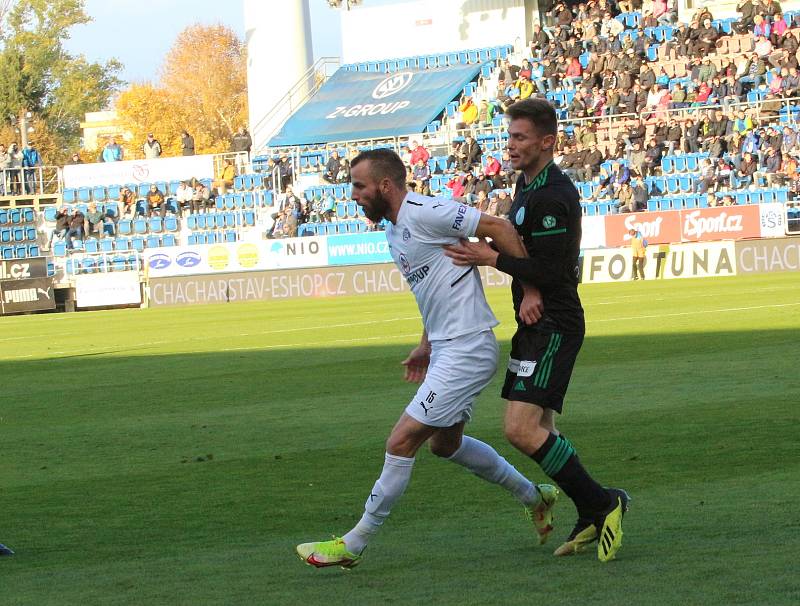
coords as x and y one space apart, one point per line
654 115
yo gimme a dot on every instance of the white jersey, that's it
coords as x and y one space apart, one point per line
450 297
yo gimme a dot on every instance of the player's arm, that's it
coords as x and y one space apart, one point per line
505 240
543 267
418 360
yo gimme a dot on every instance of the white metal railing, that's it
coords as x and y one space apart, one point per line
30 181
306 87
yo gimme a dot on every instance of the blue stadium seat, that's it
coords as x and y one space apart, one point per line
156 225
70 195
140 226
169 240
153 241
99 194
91 245
106 245
84 194
15 216
171 224
122 244
28 215
113 192
33 250
59 249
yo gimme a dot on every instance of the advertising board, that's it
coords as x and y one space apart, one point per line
26 294
107 289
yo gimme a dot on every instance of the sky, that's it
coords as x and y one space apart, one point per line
140 32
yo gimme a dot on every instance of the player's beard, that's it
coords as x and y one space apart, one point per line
377 208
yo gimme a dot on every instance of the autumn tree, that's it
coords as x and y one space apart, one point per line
202 88
37 74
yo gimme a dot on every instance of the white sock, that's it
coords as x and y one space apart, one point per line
483 460
387 490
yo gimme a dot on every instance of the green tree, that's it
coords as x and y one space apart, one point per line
38 74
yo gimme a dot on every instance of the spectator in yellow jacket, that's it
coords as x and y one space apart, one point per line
469 111
225 180
525 87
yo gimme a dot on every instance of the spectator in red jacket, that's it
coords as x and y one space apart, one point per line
418 153
492 167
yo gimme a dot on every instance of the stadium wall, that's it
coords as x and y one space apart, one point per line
290 284
402 29
663 262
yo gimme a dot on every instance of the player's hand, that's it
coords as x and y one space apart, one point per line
532 306
417 364
472 253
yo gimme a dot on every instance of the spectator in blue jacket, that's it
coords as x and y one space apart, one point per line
112 152
30 161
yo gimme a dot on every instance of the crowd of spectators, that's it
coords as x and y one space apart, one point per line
581 59
19 169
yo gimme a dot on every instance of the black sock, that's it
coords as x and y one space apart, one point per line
558 460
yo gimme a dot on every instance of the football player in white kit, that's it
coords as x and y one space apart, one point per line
457 355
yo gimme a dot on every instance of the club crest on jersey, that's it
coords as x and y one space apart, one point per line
405 265
549 222
520 218
406 234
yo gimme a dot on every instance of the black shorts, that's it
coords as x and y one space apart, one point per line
540 367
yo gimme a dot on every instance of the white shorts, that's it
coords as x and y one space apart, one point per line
459 370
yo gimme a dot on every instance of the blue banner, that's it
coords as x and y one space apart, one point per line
359 249
360 105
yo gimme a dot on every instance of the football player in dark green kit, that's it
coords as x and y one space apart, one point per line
547 215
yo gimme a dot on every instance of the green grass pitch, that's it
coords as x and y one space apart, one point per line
176 456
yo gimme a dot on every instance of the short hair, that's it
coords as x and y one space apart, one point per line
538 112
383 164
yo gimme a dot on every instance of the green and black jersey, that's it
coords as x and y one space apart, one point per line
547 214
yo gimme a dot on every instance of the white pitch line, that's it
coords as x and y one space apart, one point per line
696 312
148 344
293 345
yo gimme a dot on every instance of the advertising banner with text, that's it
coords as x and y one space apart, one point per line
29 294
698 225
700 260
764 256
241 256
139 171
290 284
35 267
